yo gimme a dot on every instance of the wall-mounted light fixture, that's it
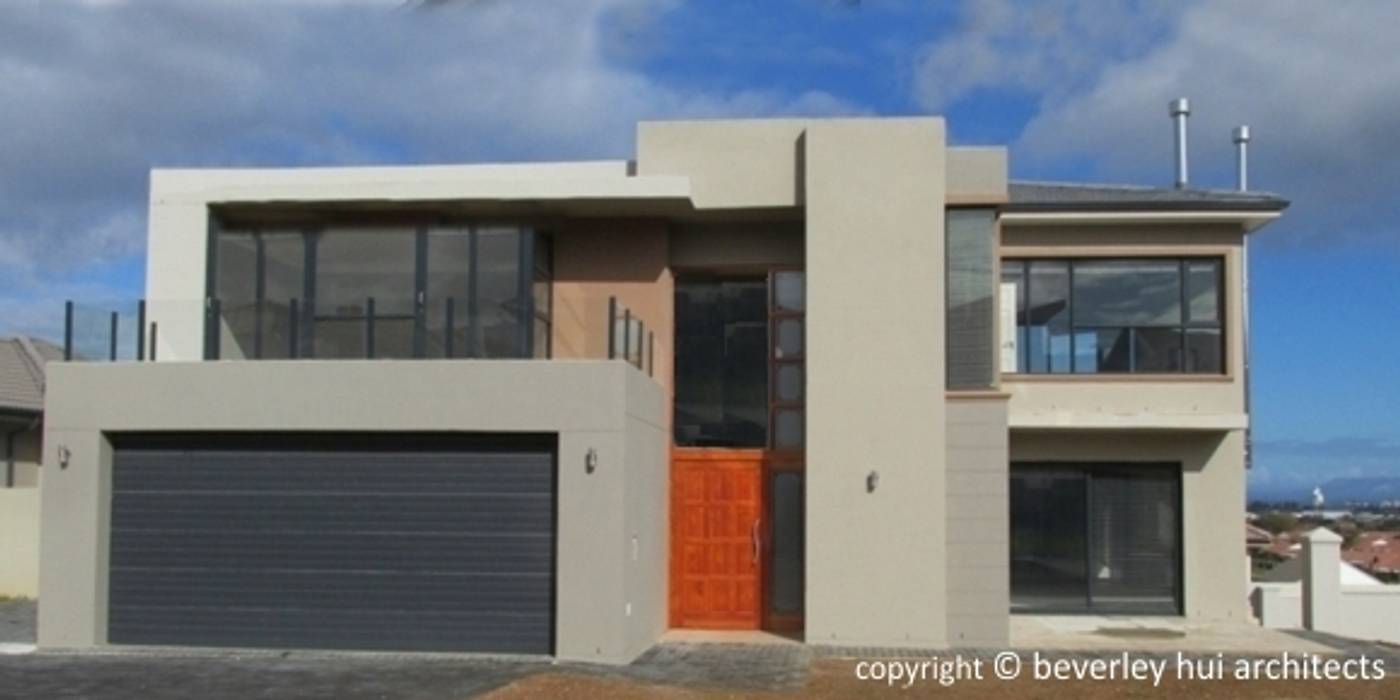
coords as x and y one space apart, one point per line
871 481
63 456
590 461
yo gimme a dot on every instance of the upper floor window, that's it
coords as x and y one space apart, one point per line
1114 316
970 258
380 292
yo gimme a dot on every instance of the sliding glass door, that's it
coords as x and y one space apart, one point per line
1099 538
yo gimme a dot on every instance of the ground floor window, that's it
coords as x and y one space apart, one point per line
1101 538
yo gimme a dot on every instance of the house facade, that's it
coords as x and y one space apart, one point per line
834 378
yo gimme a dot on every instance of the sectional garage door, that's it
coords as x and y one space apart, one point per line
333 542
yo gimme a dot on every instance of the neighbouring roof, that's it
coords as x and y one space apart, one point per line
1033 196
22 373
1375 551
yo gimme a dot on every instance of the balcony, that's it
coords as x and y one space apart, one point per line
374 328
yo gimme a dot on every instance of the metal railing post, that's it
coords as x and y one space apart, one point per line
141 330
153 341
293 336
651 354
612 328
112 341
451 332
627 334
211 348
369 328
67 331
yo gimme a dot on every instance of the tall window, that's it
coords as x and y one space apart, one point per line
392 292
1116 316
971 260
721 397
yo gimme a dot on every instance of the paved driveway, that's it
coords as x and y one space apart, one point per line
155 674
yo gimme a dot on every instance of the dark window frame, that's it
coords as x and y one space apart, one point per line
1183 326
1089 470
528 273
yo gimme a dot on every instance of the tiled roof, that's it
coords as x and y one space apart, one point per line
1033 196
22 373
1375 551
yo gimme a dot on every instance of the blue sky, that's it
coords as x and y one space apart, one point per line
95 92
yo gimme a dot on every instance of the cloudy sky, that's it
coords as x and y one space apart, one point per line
93 93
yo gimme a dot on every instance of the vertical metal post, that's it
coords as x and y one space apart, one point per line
612 326
211 348
651 354
153 341
141 330
68 331
641 338
420 293
293 337
369 328
112 341
1240 136
627 334
1180 109
450 331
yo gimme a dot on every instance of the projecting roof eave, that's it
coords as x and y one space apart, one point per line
1250 220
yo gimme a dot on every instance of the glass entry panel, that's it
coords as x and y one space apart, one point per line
1096 538
721 363
785 571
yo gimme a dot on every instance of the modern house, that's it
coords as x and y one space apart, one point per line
22 364
830 377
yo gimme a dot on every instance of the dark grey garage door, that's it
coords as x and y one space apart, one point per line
319 541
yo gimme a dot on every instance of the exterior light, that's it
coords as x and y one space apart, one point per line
590 461
63 456
871 481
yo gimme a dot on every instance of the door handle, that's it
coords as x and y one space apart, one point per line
753 536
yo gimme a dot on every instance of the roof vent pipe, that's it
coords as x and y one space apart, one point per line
1241 138
1180 109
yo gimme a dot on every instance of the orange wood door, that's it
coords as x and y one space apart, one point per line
716 558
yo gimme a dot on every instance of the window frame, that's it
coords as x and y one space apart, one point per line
531 235
1026 260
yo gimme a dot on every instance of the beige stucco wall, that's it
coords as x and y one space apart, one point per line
608 607
1134 402
19 542
1212 497
875 560
731 164
979 555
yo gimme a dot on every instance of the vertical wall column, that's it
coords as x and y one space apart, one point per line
876 546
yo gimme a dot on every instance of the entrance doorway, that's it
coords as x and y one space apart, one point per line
737 496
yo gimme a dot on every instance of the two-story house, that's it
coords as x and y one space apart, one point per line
827 377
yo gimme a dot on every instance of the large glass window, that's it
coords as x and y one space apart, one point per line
357 268
1135 315
970 259
1096 538
722 363
396 292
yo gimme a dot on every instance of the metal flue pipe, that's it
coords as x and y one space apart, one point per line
1241 138
1180 109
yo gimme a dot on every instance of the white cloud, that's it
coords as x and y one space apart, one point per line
96 93
1046 48
1316 82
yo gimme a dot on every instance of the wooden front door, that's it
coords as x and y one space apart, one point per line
716 548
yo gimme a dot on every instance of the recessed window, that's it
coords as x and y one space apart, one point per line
382 292
1115 316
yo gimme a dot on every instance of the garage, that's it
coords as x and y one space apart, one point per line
334 541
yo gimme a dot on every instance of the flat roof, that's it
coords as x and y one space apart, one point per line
1039 196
